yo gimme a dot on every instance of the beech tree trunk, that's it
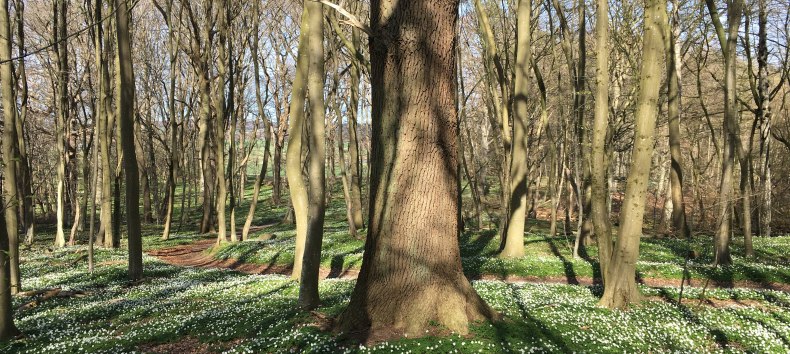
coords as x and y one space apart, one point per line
126 108
7 328
105 126
354 170
221 116
679 222
728 42
293 157
411 272
267 127
620 280
764 115
514 240
316 168
600 191
26 171
10 154
62 101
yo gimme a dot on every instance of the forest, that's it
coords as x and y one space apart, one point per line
449 176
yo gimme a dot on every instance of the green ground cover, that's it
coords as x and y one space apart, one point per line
213 310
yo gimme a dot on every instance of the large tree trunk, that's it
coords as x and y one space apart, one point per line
126 105
619 282
308 287
10 241
599 191
293 158
514 241
411 270
728 43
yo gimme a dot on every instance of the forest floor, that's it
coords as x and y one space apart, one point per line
237 298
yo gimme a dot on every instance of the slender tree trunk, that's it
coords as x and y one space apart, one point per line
293 158
308 287
728 42
267 127
62 101
219 133
126 105
94 188
354 170
232 116
514 241
408 280
119 140
619 282
679 222
104 126
764 115
171 107
599 165
26 193
345 175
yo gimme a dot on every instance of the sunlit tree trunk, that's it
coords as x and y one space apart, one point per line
10 240
308 287
514 241
293 158
411 276
620 280
599 165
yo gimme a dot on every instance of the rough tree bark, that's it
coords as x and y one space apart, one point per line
411 270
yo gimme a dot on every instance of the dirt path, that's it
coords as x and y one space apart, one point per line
194 255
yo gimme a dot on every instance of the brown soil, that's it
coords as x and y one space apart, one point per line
196 255
187 344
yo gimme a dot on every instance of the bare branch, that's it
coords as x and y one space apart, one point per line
351 19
